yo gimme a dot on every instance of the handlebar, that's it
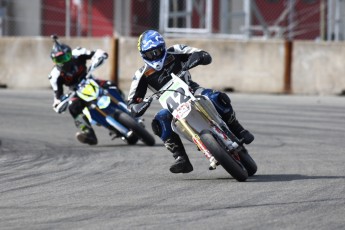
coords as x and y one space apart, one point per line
62 106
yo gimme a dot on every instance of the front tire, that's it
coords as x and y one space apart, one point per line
223 158
248 162
133 125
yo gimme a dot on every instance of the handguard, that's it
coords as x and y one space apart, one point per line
60 108
63 105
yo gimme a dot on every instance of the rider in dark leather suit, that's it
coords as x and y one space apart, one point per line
69 70
159 64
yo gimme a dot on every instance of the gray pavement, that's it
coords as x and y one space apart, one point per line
50 181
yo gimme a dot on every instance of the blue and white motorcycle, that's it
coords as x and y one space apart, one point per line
106 107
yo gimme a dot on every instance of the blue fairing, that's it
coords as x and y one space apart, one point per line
99 118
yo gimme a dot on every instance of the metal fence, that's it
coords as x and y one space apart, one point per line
243 19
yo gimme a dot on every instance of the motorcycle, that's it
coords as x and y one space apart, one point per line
196 119
106 107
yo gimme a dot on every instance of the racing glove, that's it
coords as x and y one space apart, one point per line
197 58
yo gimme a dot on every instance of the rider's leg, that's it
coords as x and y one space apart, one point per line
87 134
223 105
161 126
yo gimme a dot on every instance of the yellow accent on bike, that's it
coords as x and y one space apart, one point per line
89 91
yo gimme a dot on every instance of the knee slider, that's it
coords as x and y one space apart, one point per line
161 124
156 127
224 99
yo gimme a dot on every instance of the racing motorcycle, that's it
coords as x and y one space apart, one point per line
106 107
196 119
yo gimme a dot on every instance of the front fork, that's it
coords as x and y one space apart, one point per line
117 125
223 132
196 139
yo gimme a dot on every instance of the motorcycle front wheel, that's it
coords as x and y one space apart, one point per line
248 162
224 159
133 125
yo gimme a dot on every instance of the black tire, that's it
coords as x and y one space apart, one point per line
132 140
133 125
223 158
248 162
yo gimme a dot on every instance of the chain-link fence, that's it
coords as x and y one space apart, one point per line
244 19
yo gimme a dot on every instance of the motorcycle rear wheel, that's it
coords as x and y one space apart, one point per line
223 158
133 125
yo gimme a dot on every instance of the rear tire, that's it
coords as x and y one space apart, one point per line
133 125
223 158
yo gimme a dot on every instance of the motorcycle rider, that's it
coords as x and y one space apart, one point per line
160 62
69 70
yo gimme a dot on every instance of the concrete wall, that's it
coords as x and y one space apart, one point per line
26 63
244 66
318 68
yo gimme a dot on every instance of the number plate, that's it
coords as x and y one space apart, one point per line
182 110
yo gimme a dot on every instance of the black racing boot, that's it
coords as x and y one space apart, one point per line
240 132
238 129
182 163
87 134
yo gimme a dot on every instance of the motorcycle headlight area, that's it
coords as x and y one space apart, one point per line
103 102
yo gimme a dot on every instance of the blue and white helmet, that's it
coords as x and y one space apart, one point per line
151 46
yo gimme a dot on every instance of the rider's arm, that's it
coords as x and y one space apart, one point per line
195 56
89 54
57 85
138 88
83 53
56 82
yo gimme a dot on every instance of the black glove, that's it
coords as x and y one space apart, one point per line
140 108
194 60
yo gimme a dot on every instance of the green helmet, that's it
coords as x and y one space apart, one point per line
60 53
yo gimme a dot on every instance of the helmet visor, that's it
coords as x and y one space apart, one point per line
154 54
62 58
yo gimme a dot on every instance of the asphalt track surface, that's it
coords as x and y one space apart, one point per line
50 181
